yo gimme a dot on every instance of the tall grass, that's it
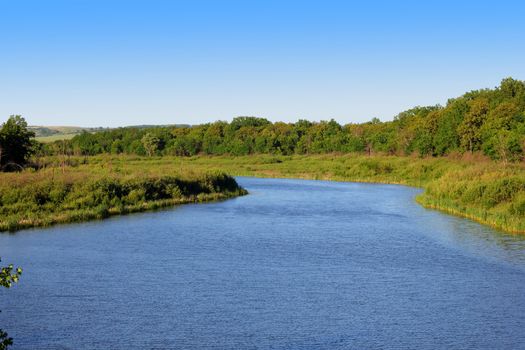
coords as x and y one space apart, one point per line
81 188
78 194
492 196
489 192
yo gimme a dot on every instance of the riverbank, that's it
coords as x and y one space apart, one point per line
73 194
488 192
485 191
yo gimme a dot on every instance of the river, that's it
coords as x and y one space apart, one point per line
296 264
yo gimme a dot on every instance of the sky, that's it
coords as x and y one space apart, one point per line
115 63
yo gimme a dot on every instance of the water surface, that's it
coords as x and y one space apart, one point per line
294 265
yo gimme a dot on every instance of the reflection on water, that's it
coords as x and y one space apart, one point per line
295 265
478 239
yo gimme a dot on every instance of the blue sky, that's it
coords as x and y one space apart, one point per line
116 63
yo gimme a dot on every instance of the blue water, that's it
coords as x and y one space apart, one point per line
294 265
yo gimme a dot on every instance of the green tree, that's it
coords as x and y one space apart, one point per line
499 135
511 88
470 128
240 122
446 138
491 120
504 145
8 276
213 138
301 128
16 143
116 146
150 143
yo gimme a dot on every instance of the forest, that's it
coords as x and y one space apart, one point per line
487 121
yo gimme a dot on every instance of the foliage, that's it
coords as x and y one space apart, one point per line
15 143
149 141
487 121
83 188
95 191
8 276
489 192
478 125
5 340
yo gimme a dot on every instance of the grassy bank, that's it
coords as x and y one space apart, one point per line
72 194
488 192
94 187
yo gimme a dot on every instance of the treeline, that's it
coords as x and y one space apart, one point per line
491 121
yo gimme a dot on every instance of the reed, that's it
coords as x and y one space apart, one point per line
491 193
83 188
70 194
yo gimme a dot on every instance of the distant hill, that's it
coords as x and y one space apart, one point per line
54 133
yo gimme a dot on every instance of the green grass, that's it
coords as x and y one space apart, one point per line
485 191
71 194
488 192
